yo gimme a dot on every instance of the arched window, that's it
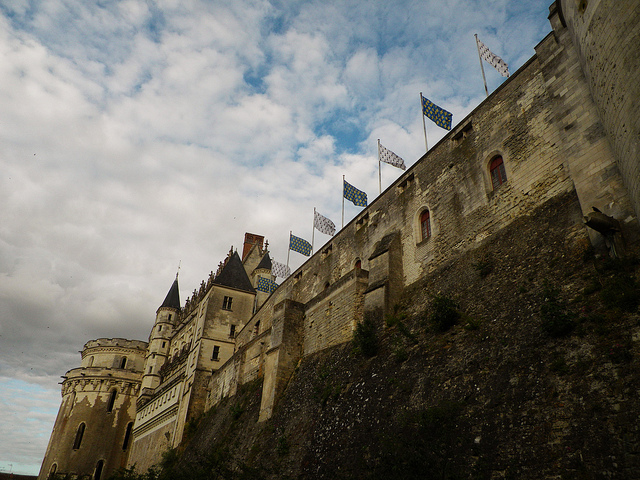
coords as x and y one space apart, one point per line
123 362
497 171
112 400
425 225
52 471
127 436
358 265
79 434
99 467
90 363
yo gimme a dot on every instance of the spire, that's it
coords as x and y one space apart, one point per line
265 263
172 300
234 275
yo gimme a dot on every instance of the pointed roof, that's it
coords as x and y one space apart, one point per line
172 300
265 262
234 275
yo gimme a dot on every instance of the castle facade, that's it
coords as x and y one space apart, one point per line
564 127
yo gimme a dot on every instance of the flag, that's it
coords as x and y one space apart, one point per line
438 115
351 193
323 224
387 156
280 269
266 285
492 59
299 245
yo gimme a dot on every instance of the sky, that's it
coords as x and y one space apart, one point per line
139 135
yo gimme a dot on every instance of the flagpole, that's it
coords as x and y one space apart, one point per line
379 174
484 79
424 124
342 201
313 229
289 249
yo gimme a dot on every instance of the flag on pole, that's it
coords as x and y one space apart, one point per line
351 193
266 285
492 59
280 269
438 115
299 245
323 224
387 156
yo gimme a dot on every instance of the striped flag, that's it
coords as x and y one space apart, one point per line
387 156
351 193
438 115
323 224
266 285
280 269
300 245
492 59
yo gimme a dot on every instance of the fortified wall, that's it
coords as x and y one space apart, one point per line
545 126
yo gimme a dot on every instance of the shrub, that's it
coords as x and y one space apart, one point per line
556 321
445 313
365 338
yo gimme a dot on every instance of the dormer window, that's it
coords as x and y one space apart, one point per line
226 303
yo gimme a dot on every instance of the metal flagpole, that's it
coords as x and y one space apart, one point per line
313 229
342 201
289 250
424 124
379 174
484 79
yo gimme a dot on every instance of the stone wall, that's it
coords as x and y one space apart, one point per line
606 34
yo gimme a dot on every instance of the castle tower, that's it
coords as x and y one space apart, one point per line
262 279
92 433
159 339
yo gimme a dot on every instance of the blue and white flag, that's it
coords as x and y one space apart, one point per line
280 269
299 245
438 115
351 193
266 285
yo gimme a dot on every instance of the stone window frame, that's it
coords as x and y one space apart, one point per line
127 436
418 225
77 442
113 394
227 302
215 353
97 475
486 171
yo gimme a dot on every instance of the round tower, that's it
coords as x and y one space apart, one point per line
92 432
159 339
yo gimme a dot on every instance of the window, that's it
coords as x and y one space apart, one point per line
425 225
358 265
257 328
127 436
226 303
79 434
215 355
497 171
52 471
164 344
170 317
232 331
99 467
112 400
123 362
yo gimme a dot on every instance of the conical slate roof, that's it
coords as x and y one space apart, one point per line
172 300
265 262
234 275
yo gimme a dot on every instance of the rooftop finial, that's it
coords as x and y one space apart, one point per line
178 272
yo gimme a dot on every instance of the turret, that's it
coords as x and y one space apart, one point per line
159 338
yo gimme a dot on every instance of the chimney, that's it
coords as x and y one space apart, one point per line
251 239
